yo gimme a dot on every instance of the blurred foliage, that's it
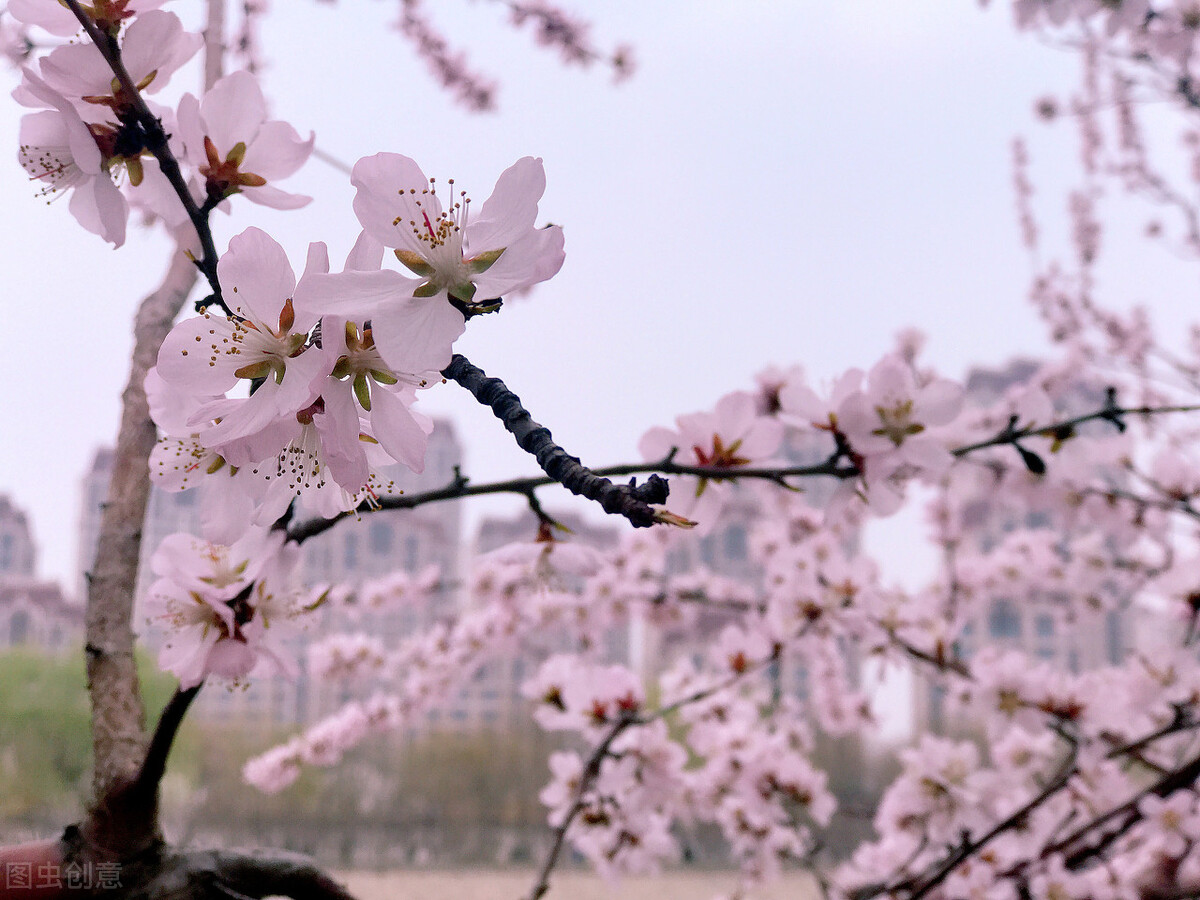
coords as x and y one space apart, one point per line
451 780
458 787
45 733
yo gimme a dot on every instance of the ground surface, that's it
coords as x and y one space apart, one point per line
511 884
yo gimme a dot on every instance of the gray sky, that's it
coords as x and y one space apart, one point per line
778 183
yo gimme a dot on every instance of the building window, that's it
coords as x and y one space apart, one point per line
800 689
678 560
1043 625
381 538
735 542
6 552
351 550
412 545
937 708
1004 622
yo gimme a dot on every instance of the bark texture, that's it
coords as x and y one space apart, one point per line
118 726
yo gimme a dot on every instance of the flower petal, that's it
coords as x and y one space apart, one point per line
392 187
256 277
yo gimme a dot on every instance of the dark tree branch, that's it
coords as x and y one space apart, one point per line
156 143
226 875
629 500
155 764
124 820
969 848
1076 855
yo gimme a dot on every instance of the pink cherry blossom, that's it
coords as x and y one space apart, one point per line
1171 823
455 253
58 19
208 355
61 152
153 47
886 426
733 435
354 377
275 769
218 604
236 148
474 256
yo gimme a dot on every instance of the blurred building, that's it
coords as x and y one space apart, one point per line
18 554
33 613
36 614
166 513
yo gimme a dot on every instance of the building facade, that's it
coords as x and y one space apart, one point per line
36 615
18 554
33 613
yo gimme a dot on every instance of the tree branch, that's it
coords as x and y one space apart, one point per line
628 500
461 486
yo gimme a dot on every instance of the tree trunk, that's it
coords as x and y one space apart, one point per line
118 729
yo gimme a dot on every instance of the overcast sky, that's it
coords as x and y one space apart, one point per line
778 183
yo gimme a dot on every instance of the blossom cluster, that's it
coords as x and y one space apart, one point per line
226 609
1166 30
89 137
306 388
1068 541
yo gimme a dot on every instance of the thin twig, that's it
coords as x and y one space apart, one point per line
591 771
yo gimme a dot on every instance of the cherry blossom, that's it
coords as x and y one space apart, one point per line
236 149
153 47
219 604
58 19
355 378
731 436
472 258
63 153
209 354
886 425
